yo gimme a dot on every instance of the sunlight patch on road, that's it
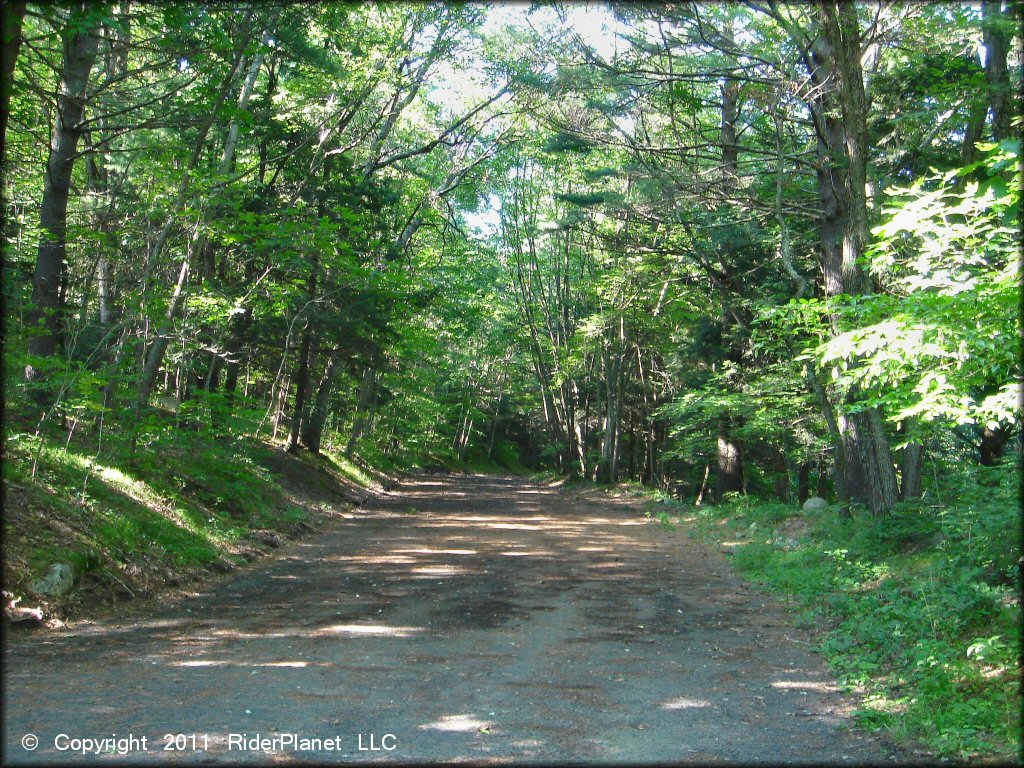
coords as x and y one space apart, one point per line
369 630
101 629
448 495
374 559
455 723
603 521
438 551
356 630
804 685
441 570
526 553
685 703
229 663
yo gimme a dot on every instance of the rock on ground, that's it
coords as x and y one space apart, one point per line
58 581
815 505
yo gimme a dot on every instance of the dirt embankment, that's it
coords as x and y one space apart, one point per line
43 526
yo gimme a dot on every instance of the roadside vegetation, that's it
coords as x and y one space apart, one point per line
917 612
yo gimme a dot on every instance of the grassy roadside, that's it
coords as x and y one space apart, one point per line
920 610
188 507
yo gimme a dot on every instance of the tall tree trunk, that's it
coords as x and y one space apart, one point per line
997 28
910 470
492 432
783 487
803 482
993 442
613 364
467 430
45 318
366 391
730 114
838 75
302 376
313 429
729 478
302 387
973 132
280 399
11 15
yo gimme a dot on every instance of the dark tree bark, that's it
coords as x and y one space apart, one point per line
993 442
973 132
910 471
730 114
313 428
729 478
366 392
302 377
865 469
45 317
780 468
997 28
821 486
301 387
11 15
803 482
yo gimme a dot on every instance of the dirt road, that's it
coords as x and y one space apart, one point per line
471 618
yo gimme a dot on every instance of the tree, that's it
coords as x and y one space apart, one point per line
45 319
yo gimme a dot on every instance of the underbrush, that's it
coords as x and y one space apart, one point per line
128 522
920 608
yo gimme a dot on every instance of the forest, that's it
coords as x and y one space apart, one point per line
728 256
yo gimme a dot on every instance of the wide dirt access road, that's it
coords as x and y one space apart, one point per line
473 618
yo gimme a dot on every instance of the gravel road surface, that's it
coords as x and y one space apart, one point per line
461 618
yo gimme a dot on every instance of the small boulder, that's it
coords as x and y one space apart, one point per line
57 581
222 565
815 505
785 543
265 537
